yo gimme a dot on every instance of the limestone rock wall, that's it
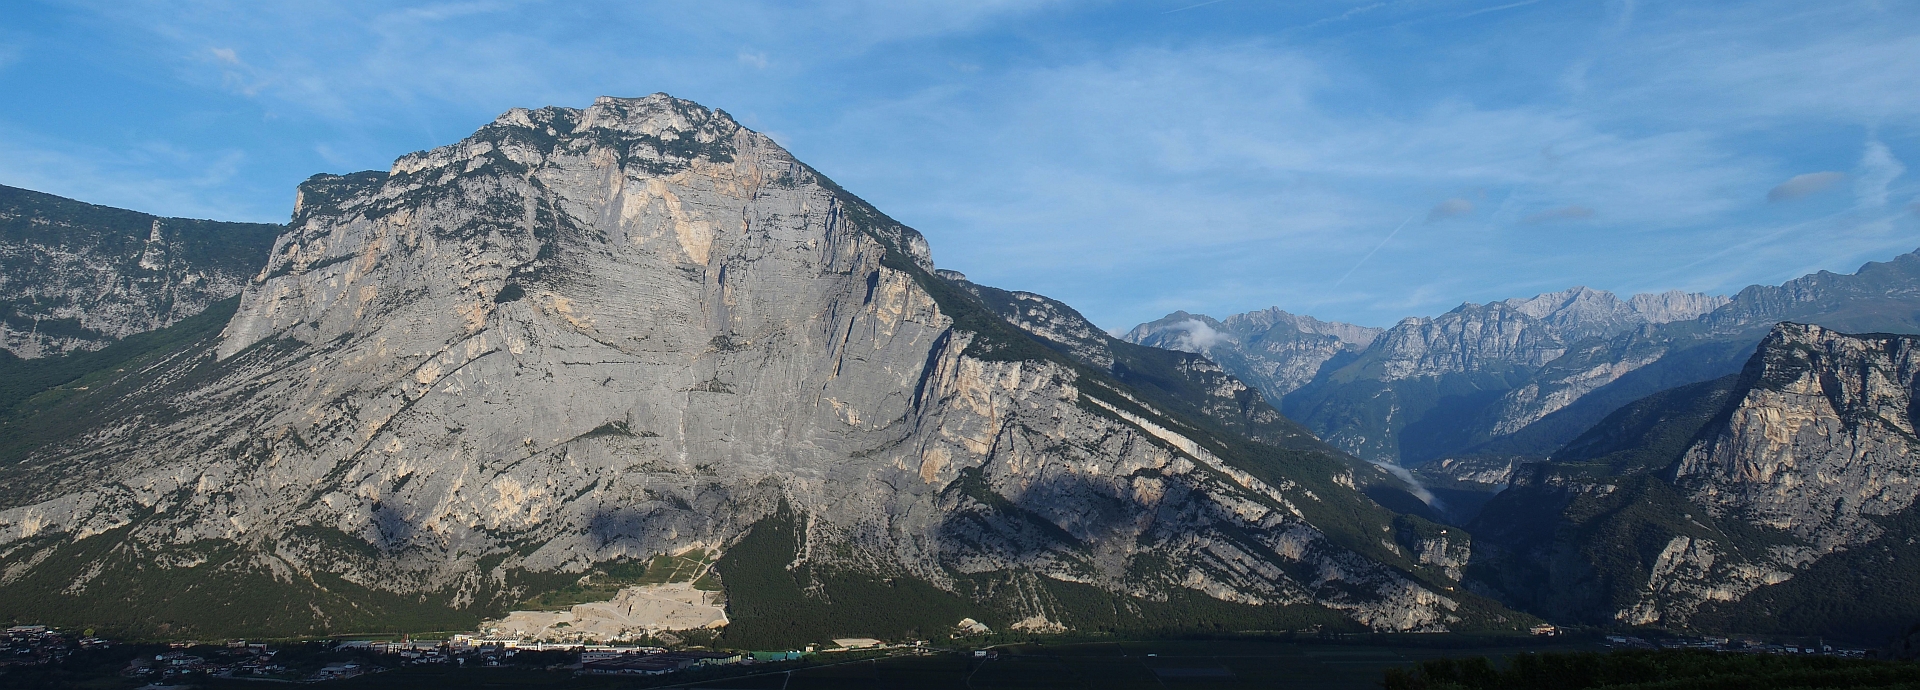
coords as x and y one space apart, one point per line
1821 441
582 335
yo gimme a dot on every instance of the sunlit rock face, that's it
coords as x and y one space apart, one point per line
1816 449
1822 440
638 328
1763 500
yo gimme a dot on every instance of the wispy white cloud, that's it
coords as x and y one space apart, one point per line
150 176
334 60
1344 16
1233 157
1194 6
1751 64
1498 8
1561 213
1197 336
1878 170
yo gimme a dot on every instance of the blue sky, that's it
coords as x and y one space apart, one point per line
1355 160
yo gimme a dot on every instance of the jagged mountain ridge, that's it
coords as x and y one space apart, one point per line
1276 351
1734 504
1520 377
1225 399
76 276
1428 386
586 335
1576 391
1362 391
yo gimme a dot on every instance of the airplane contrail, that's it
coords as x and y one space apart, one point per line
1376 249
1204 4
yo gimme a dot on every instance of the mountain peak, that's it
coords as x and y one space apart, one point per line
650 114
524 196
1675 305
1579 297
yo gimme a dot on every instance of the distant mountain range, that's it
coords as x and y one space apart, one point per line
1520 376
584 341
1611 460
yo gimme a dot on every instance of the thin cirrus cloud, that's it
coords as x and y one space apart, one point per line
1878 170
1563 213
1806 185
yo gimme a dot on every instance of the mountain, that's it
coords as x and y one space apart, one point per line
1276 351
585 338
1426 386
1582 387
1780 499
75 276
1521 377
1189 383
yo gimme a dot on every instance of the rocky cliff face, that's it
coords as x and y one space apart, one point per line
1705 504
1821 441
581 336
76 276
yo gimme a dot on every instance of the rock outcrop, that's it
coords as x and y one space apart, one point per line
1707 504
583 336
1821 441
75 276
